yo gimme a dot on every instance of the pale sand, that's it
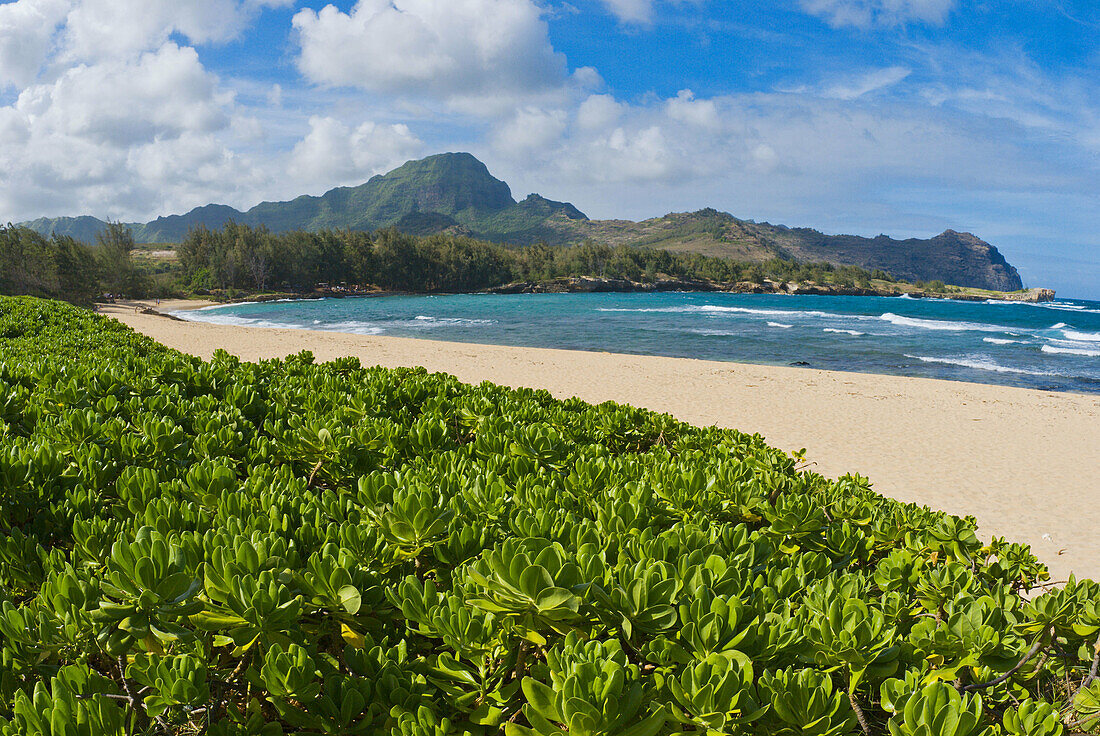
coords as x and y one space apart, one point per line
1025 463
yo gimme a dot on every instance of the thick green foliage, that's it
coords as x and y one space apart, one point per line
243 257
284 547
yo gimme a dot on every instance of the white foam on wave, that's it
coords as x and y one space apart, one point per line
999 341
1071 351
355 327
212 307
714 333
780 325
853 333
1058 326
940 324
1057 306
980 364
420 322
1082 336
236 321
1075 309
716 309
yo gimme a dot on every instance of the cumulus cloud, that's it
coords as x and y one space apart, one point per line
113 114
441 49
161 95
89 135
335 153
530 129
26 33
779 156
868 13
97 29
686 109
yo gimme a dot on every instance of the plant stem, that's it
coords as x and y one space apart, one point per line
521 657
1095 663
1093 671
859 713
1027 658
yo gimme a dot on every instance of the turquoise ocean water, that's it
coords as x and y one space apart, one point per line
1052 346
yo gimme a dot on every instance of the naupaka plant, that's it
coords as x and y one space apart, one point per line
294 547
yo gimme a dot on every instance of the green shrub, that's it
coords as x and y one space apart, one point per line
287 547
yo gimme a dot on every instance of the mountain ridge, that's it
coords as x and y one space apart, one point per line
456 193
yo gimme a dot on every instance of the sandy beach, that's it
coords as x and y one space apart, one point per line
1026 463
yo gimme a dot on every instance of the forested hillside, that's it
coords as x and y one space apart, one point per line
454 193
242 257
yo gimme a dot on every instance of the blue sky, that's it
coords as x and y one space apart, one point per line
904 117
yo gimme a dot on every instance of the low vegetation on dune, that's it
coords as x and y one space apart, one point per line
284 547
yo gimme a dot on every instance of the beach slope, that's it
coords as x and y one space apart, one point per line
1026 463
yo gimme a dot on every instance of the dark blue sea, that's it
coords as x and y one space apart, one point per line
1053 346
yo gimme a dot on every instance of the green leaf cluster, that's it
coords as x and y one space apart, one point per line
287 547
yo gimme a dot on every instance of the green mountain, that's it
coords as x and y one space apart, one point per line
454 192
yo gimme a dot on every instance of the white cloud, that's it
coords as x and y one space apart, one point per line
868 13
96 29
686 109
599 111
864 84
161 95
89 137
631 11
441 49
335 153
839 164
530 129
26 32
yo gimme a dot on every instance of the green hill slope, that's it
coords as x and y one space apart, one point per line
455 192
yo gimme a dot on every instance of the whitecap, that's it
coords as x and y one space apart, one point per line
853 333
780 325
714 333
1071 351
716 309
237 321
979 364
939 324
1082 336
999 341
220 306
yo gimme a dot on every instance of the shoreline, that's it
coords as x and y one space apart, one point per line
1020 460
591 285
992 373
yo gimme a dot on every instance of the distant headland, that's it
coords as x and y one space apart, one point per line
455 193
